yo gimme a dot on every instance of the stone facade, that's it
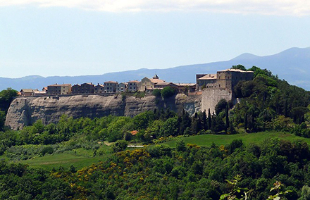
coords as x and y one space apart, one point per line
225 79
122 87
76 89
149 84
61 89
132 86
110 87
27 92
99 89
211 96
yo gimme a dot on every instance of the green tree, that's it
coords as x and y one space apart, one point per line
170 127
241 67
6 97
168 92
119 145
220 106
157 93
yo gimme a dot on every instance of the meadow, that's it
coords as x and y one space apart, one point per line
80 158
247 138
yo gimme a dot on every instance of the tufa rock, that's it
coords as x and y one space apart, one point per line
25 111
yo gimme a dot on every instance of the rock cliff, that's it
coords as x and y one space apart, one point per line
26 110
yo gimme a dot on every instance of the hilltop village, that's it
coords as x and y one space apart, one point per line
225 79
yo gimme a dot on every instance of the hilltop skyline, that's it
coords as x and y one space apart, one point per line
72 38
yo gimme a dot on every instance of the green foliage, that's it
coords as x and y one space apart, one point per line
142 120
305 193
239 67
220 106
236 192
139 94
47 150
119 145
170 127
270 103
168 92
6 97
180 146
191 172
277 188
157 93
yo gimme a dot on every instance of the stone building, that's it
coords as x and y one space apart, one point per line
76 89
132 86
148 84
27 92
225 79
99 89
87 88
110 87
122 87
60 89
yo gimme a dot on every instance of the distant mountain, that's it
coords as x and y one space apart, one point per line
293 65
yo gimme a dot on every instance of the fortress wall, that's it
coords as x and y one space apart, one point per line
211 96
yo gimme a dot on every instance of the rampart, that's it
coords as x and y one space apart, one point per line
211 96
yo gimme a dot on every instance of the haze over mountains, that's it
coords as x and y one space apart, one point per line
293 65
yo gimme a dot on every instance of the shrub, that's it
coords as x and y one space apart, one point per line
47 150
180 145
119 145
168 92
156 93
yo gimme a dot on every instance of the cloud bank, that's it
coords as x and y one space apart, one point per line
266 7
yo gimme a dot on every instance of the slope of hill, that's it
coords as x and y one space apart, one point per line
292 65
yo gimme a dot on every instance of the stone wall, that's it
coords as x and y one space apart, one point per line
211 96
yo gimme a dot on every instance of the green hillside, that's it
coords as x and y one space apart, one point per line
247 138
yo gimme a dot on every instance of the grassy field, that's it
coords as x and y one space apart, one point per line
80 158
64 159
207 140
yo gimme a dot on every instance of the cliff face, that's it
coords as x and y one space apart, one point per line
25 111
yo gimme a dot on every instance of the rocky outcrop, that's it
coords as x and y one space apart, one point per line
26 110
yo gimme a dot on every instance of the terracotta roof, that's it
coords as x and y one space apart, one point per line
185 84
165 83
87 84
134 82
110 82
60 85
208 76
39 92
135 132
156 80
29 90
235 70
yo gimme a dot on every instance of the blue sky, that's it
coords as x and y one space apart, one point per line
79 37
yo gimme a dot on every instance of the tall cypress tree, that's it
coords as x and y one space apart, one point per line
246 121
209 119
204 120
227 118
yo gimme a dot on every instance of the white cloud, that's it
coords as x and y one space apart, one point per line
268 7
